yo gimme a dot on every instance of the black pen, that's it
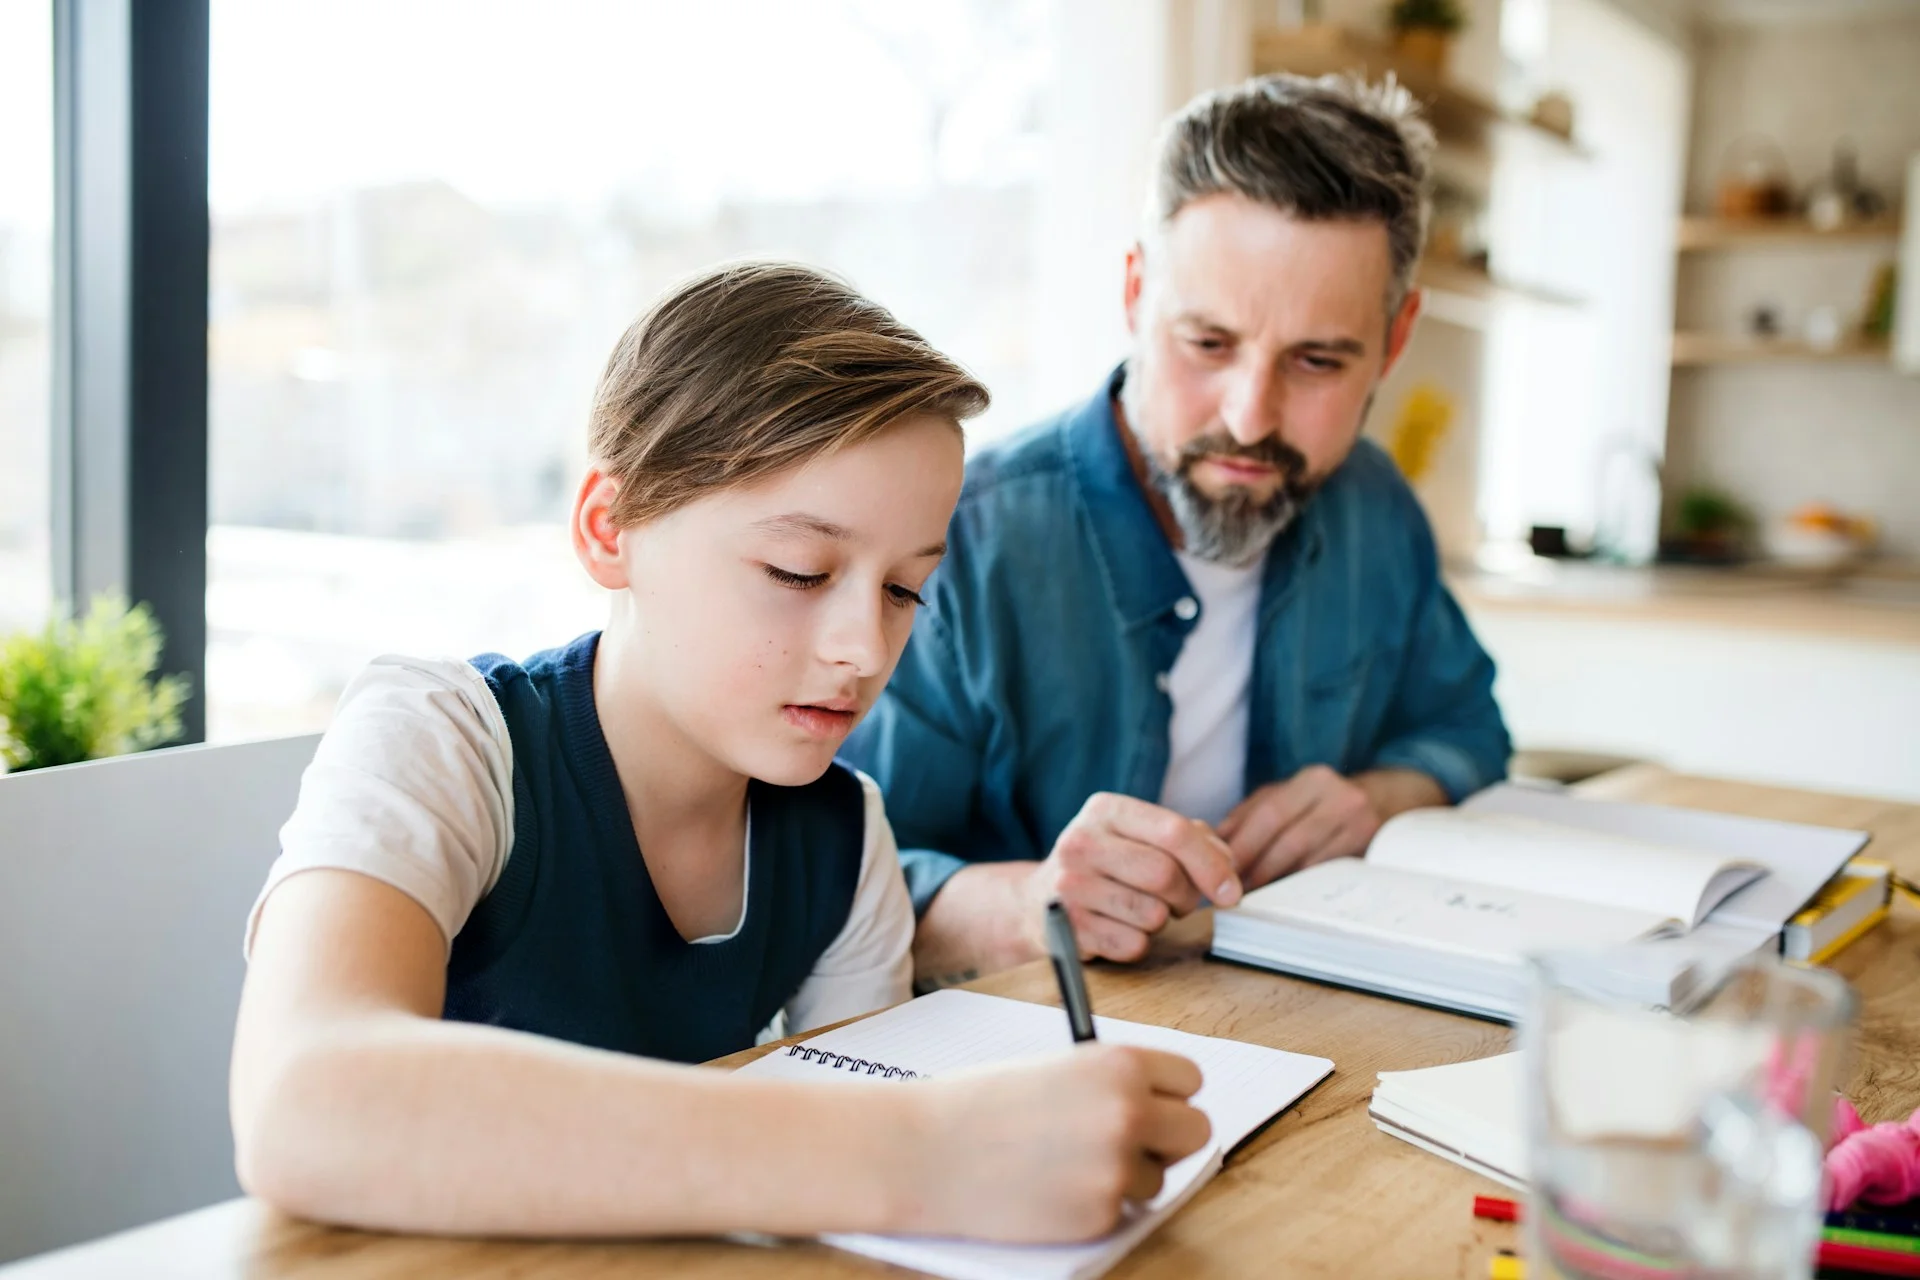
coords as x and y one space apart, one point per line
1065 950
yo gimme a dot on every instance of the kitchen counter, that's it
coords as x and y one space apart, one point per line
1878 604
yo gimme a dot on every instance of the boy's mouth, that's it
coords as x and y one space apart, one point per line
830 719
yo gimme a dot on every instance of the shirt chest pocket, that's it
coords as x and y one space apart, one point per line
1343 708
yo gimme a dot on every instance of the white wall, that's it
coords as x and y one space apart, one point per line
124 887
1828 714
1573 391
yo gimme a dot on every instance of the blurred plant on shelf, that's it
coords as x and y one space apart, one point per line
1710 526
1878 322
1427 15
82 689
1423 30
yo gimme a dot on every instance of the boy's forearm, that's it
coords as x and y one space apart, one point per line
975 925
410 1124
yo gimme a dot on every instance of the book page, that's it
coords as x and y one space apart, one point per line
1799 858
1673 881
1425 912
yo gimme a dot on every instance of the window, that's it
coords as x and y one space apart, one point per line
431 224
26 304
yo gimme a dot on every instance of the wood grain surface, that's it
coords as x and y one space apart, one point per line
1320 1192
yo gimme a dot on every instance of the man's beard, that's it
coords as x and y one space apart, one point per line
1234 528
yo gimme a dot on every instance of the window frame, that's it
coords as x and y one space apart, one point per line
129 398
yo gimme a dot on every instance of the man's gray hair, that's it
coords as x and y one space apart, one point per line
1329 149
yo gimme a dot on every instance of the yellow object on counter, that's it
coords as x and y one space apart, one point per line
1422 423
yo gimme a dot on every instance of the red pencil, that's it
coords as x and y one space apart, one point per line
1878 1262
1497 1209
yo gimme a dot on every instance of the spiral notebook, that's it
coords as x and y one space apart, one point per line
1245 1086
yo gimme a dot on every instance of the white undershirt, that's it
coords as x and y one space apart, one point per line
413 786
1209 684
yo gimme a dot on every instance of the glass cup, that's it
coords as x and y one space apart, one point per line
1684 1147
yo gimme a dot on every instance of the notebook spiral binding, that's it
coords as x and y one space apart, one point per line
847 1062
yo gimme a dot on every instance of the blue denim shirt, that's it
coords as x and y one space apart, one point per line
1035 675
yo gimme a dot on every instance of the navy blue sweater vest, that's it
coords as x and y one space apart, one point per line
573 941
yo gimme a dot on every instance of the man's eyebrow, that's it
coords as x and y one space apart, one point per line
1339 346
1329 346
798 523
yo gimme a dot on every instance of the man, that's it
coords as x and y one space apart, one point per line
1191 635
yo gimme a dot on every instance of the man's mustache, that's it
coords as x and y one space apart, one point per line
1271 452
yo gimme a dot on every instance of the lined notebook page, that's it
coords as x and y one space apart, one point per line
1244 1086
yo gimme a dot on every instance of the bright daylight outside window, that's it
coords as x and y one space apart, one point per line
26 301
431 220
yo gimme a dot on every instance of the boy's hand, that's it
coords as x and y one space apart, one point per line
1051 1151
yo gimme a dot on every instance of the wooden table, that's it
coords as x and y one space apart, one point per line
1319 1193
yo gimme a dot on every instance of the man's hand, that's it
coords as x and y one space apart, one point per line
1124 867
1317 814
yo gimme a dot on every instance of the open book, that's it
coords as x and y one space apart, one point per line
1447 902
1245 1085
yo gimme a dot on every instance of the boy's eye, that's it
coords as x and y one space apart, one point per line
1321 364
903 596
798 581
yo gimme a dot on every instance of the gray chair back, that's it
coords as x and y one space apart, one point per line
124 886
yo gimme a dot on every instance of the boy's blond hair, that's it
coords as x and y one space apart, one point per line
751 368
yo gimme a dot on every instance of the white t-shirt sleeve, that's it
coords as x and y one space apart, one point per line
870 964
412 785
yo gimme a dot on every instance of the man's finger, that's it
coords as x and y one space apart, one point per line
1295 847
1150 870
1270 811
1104 938
1205 857
1106 895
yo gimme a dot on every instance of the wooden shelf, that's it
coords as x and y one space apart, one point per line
1469 281
1459 116
1752 233
1692 349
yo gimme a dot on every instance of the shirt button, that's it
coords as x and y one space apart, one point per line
1162 682
1186 608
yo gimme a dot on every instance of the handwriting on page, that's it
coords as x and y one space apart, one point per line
1462 916
1398 904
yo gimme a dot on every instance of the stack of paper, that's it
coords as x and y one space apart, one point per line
1466 1112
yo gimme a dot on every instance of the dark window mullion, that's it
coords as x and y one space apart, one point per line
130 381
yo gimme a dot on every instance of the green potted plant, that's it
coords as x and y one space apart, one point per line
83 689
1710 526
1423 30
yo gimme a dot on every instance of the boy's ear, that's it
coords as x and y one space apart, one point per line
596 538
